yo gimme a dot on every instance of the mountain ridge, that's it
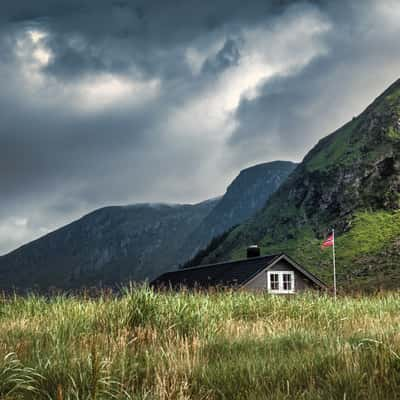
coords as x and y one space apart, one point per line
114 244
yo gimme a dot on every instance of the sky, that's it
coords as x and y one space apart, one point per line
115 102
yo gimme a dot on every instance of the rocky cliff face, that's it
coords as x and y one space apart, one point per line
355 170
245 195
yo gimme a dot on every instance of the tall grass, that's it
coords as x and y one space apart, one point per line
221 345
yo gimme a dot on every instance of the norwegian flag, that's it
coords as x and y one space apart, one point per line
330 241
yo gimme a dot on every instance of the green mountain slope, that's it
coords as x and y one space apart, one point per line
349 181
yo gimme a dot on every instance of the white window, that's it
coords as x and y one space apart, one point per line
280 281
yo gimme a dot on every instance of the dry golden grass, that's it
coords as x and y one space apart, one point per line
222 345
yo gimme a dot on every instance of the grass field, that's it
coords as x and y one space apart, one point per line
231 345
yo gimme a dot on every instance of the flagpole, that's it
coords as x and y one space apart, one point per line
334 265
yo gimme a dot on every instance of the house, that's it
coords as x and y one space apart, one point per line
277 273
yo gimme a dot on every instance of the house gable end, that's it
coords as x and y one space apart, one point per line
284 263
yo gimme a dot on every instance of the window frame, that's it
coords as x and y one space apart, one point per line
280 281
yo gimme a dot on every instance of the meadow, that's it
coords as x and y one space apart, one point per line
221 345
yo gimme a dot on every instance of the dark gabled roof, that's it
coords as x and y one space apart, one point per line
231 273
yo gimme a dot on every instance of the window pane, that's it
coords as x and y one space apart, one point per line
287 282
274 281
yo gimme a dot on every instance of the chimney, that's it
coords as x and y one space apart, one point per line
253 251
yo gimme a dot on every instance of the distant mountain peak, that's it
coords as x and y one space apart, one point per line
247 194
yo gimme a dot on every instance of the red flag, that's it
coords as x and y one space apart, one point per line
328 242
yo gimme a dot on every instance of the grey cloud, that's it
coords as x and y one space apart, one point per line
116 35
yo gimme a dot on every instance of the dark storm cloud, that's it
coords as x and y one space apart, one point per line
140 38
118 101
116 35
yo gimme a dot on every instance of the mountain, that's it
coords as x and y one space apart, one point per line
112 244
244 196
116 244
349 181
